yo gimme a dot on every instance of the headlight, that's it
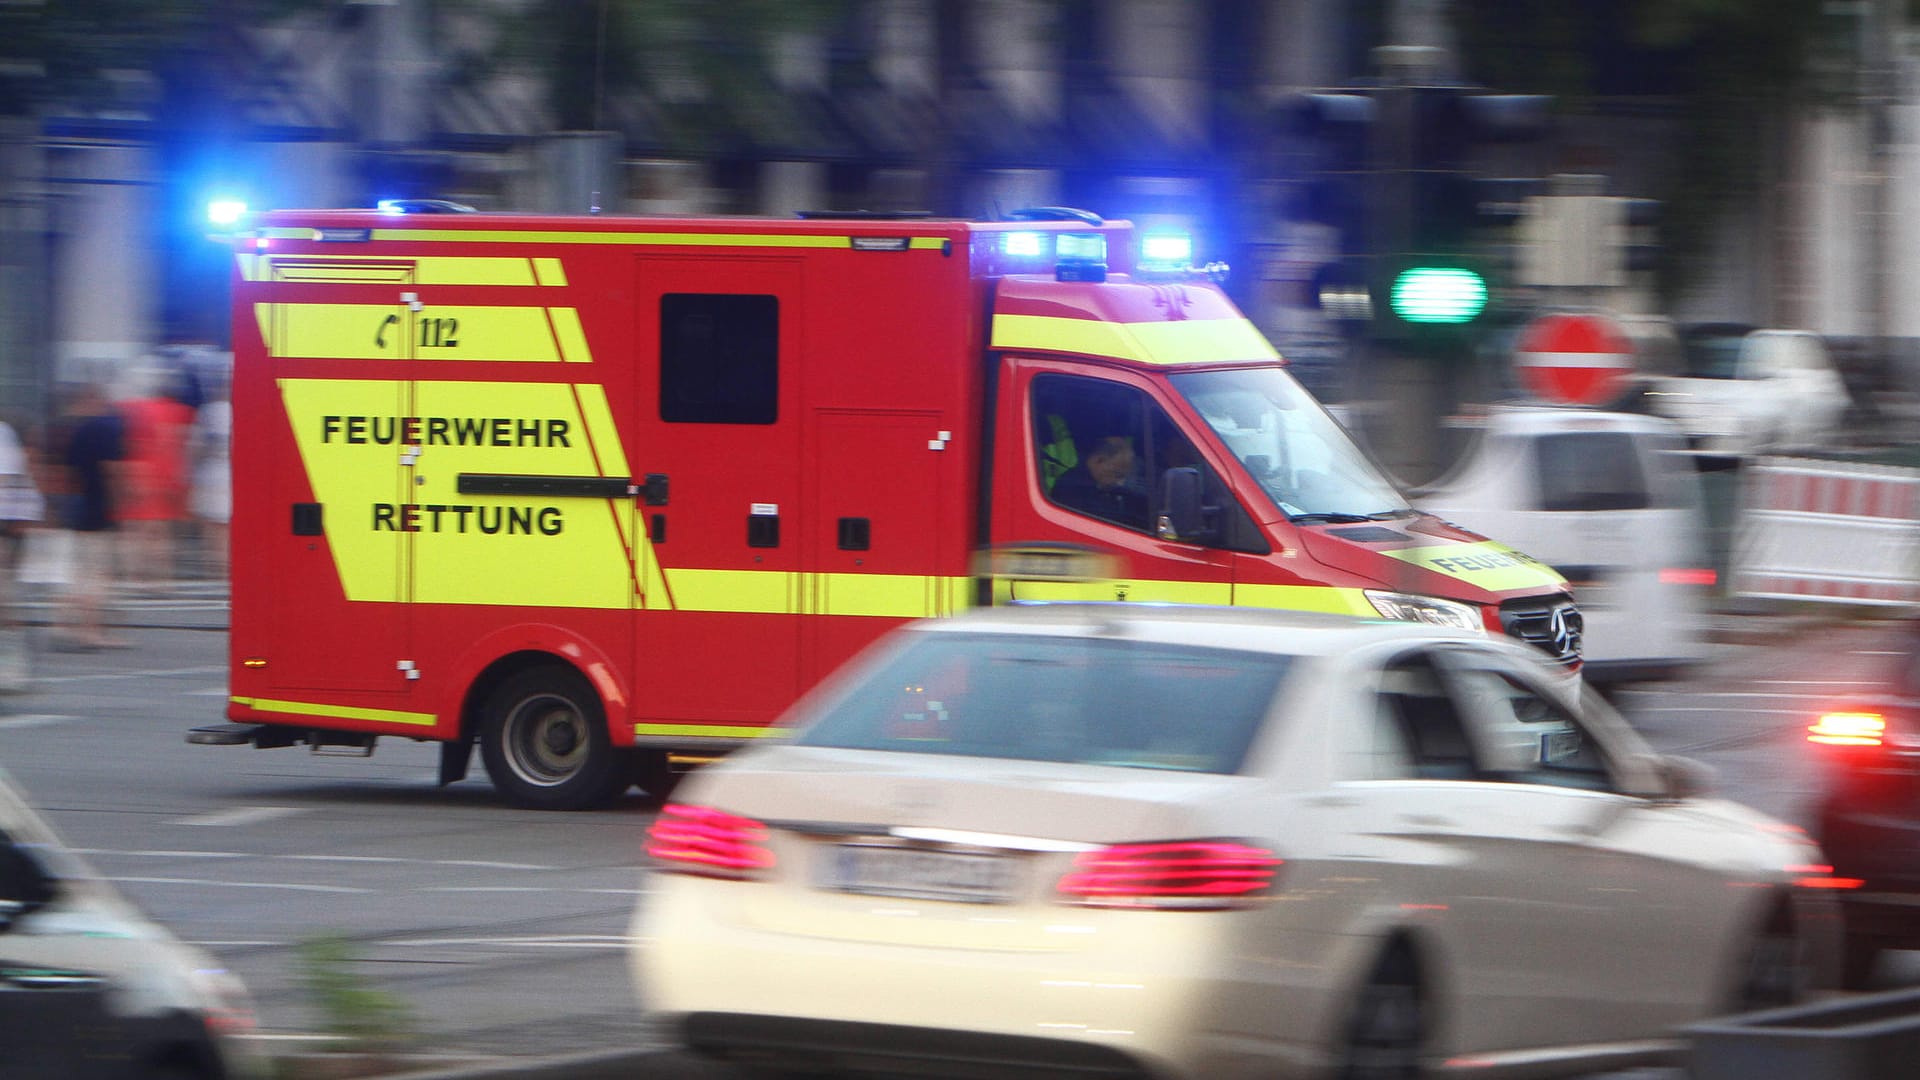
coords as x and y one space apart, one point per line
1425 609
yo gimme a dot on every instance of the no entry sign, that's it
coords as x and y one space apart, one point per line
1574 359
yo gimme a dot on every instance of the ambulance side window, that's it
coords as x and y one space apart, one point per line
719 358
1077 423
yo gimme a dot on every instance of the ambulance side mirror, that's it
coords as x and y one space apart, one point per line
1180 514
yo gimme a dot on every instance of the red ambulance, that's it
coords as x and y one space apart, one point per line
601 495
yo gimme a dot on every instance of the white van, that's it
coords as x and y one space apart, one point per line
1610 501
1742 392
90 988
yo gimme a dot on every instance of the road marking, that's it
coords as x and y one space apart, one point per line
242 884
35 720
166 854
240 815
543 941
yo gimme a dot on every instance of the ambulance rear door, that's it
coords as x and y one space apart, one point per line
319 473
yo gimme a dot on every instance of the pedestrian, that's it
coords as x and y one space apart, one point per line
90 442
152 504
213 477
22 508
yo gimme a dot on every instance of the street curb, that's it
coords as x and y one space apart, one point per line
598 1065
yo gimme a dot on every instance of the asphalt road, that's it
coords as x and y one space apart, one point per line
500 932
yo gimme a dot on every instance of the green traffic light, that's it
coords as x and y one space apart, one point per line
1437 294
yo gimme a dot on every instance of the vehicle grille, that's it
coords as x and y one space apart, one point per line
1551 624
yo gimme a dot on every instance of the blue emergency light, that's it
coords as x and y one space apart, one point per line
1082 257
1024 245
1166 250
224 212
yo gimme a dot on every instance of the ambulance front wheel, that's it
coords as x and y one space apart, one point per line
544 741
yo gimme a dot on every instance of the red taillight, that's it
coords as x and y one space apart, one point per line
1820 876
1848 729
702 839
1185 873
1678 576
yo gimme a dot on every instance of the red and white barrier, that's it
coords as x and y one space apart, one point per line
1826 530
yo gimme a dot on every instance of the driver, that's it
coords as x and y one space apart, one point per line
1097 486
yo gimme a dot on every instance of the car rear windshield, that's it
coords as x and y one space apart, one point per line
1590 470
1087 701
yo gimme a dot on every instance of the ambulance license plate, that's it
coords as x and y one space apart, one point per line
920 873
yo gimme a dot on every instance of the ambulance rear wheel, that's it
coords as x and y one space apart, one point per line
544 741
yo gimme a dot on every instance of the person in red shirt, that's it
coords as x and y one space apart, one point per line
153 502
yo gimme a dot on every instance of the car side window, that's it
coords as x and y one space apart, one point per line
1417 731
1526 736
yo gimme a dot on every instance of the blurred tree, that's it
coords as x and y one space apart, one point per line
1729 71
702 68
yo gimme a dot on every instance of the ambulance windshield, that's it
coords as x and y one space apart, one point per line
1302 457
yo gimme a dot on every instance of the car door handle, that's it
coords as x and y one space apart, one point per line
1427 821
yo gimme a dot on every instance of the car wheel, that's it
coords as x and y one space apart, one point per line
1387 1028
545 744
1858 959
1776 970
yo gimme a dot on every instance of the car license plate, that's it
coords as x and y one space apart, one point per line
920 873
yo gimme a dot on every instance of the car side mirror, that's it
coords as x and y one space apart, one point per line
1685 778
25 885
1180 504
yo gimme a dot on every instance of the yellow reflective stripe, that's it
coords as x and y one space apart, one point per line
392 332
549 271
338 712
1153 592
777 592
1325 598
571 336
719 731
669 239
1184 341
1489 564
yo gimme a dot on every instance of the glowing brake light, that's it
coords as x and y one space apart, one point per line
1815 876
700 839
1676 576
1848 729
1175 874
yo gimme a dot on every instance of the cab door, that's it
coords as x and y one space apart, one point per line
717 413
1056 424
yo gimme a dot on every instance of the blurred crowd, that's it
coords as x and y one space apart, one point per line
121 489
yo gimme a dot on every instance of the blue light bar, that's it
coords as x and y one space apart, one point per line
1083 257
1024 245
225 211
1166 249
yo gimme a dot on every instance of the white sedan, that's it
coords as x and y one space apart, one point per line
1151 841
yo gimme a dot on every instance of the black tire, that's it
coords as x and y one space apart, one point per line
1775 971
1859 958
1386 1031
544 740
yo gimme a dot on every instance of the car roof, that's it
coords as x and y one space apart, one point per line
1295 633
